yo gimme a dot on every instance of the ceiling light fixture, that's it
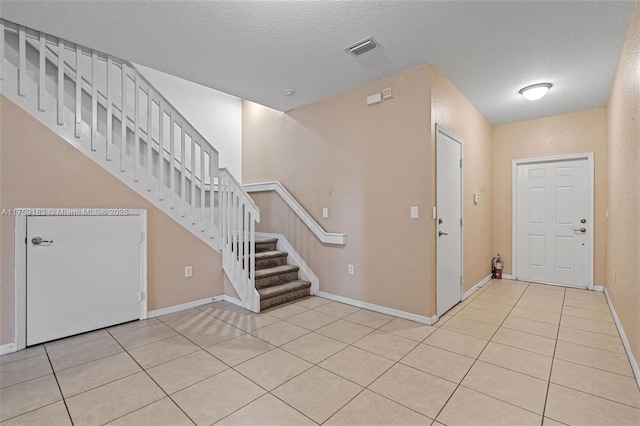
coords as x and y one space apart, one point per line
536 91
289 92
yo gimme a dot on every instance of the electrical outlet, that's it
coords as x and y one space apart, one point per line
188 271
351 270
325 212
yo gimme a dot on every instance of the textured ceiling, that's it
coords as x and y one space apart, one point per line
257 49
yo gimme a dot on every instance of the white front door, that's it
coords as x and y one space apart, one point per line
87 278
449 220
554 222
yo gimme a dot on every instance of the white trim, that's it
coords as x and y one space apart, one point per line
143 260
233 300
20 253
507 277
598 288
8 348
625 342
295 259
589 157
476 287
382 309
442 130
324 236
181 307
20 326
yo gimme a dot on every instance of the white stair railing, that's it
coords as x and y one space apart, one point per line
104 107
238 218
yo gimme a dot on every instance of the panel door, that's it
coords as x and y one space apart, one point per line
553 222
87 278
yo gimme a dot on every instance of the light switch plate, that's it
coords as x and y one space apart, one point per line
414 212
325 212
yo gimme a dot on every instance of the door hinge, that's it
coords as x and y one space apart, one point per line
141 237
461 162
461 221
142 296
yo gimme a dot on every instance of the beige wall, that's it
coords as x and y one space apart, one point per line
368 165
578 132
449 108
38 169
623 188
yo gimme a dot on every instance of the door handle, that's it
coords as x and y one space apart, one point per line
440 233
38 240
583 230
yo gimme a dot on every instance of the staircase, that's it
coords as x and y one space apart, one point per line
107 110
277 282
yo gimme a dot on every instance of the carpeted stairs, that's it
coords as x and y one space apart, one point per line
276 281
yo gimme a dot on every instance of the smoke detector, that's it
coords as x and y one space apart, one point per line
362 46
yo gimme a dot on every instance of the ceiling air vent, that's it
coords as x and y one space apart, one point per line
362 46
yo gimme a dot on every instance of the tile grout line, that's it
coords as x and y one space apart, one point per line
156 383
394 363
305 370
233 367
55 376
476 360
553 358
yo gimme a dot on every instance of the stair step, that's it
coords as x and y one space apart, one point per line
276 295
276 275
270 259
266 244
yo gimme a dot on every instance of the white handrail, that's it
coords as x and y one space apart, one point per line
324 236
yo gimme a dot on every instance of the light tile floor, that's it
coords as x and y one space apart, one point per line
514 353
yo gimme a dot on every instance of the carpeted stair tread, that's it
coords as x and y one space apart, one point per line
268 292
270 254
283 269
266 240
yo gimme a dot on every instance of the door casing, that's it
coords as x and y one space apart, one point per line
589 158
441 130
20 309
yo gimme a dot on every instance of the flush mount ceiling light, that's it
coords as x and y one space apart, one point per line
536 91
289 92
362 46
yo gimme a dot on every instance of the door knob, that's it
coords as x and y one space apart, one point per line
583 230
38 240
440 233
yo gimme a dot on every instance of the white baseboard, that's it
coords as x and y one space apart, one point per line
507 277
476 287
382 309
182 307
625 342
8 348
233 300
598 288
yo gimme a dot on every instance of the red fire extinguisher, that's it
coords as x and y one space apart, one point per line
496 267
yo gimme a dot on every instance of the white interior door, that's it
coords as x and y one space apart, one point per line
554 222
87 278
449 221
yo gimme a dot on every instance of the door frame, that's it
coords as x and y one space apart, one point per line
589 157
20 328
442 130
